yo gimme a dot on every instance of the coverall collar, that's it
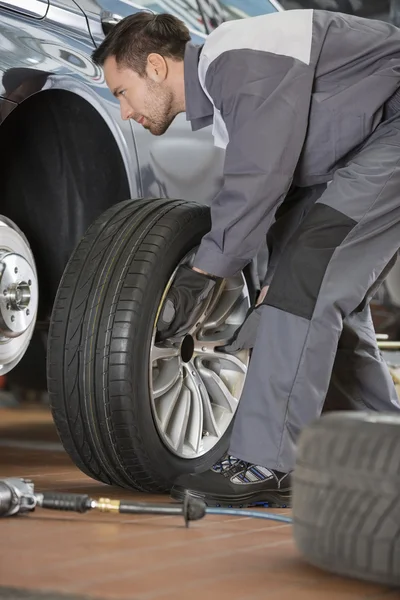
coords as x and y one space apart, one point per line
199 109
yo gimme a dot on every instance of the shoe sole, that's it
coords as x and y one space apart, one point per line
281 499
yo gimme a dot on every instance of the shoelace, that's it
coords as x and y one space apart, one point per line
229 464
226 462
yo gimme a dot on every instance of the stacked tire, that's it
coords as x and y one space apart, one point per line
346 496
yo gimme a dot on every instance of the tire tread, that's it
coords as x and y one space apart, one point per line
346 497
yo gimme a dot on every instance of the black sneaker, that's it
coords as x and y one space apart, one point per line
235 483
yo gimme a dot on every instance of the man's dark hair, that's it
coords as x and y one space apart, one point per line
135 37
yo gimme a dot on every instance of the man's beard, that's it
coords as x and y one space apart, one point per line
159 127
163 114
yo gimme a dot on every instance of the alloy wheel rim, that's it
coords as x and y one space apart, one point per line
194 388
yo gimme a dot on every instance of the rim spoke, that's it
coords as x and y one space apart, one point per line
216 338
214 301
234 362
169 374
178 423
218 390
160 352
167 402
205 310
227 303
209 423
196 420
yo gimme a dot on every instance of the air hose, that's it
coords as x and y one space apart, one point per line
254 514
19 496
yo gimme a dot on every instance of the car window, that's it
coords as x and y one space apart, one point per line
187 10
240 9
215 12
205 15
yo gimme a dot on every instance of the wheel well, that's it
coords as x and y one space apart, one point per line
61 167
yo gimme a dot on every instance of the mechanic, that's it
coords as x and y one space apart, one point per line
307 105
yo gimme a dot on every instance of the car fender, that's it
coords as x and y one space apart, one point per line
37 56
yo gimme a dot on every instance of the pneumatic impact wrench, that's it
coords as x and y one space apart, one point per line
18 496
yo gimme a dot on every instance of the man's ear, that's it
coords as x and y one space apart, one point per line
157 68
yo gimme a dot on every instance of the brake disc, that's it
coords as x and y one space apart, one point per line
19 295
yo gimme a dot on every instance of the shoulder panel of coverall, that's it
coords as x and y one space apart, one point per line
287 34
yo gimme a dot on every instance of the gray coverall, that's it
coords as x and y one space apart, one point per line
301 99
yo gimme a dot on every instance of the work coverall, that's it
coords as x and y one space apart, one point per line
303 100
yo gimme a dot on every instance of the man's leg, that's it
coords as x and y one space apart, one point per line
287 219
360 378
359 371
338 253
326 271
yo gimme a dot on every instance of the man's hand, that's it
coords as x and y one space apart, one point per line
184 302
202 272
245 336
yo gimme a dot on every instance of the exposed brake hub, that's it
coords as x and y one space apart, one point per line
18 294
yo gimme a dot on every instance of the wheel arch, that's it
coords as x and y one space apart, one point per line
109 111
64 162
26 83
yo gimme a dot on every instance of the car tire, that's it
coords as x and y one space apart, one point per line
346 496
100 338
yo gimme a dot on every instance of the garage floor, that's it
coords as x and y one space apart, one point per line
45 554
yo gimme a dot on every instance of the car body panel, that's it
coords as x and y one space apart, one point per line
32 8
54 53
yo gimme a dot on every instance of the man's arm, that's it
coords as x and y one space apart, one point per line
265 106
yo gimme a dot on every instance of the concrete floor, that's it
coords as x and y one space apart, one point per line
142 558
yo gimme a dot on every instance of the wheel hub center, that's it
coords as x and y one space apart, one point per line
187 349
18 295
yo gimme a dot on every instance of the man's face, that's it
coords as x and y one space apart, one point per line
148 102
